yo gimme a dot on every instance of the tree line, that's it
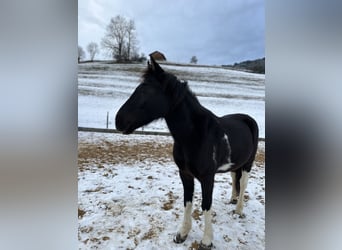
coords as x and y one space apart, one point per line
256 66
120 42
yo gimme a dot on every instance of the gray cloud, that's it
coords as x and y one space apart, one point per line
220 32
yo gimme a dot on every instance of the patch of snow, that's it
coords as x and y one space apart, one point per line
140 205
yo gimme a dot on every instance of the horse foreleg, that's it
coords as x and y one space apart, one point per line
188 185
207 192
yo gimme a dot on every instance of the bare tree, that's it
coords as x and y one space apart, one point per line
81 54
115 37
120 39
93 49
193 60
132 41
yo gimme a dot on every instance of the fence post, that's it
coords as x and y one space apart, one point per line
107 119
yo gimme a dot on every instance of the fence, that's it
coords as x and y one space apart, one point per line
137 132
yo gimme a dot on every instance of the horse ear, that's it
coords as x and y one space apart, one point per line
155 66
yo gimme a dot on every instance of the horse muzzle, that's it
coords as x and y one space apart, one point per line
124 124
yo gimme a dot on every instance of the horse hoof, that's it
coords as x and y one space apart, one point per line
241 215
179 239
233 201
205 247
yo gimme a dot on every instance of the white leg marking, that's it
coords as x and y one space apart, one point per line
208 229
234 193
243 186
187 223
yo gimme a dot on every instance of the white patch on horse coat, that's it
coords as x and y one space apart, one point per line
208 229
187 223
225 167
229 164
228 147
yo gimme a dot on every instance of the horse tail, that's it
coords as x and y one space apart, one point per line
253 126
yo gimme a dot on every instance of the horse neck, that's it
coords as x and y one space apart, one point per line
186 120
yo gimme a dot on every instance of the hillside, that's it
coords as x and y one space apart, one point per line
104 87
256 66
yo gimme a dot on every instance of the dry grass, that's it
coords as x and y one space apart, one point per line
124 151
194 245
155 229
196 214
260 157
81 213
171 200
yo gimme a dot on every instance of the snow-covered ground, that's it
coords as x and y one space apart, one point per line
130 197
105 87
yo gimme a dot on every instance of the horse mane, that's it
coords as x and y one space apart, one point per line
173 87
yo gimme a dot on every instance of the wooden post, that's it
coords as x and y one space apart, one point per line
107 119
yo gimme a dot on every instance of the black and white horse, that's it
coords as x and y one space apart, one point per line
204 144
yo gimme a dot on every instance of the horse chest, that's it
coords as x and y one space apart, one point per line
195 161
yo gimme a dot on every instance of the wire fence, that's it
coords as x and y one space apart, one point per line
138 132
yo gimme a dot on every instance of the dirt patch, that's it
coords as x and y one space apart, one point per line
260 157
81 212
132 234
196 214
171 200
194 245
150 234
98 189
125 151
122 151
154 231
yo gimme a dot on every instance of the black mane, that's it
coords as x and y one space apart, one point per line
176 90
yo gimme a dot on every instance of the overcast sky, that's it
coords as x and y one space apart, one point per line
217 32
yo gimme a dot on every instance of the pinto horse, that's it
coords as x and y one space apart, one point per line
204 144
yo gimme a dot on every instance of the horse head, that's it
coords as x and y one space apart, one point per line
147 103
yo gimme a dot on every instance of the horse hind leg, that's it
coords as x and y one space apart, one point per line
243 185
236 175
